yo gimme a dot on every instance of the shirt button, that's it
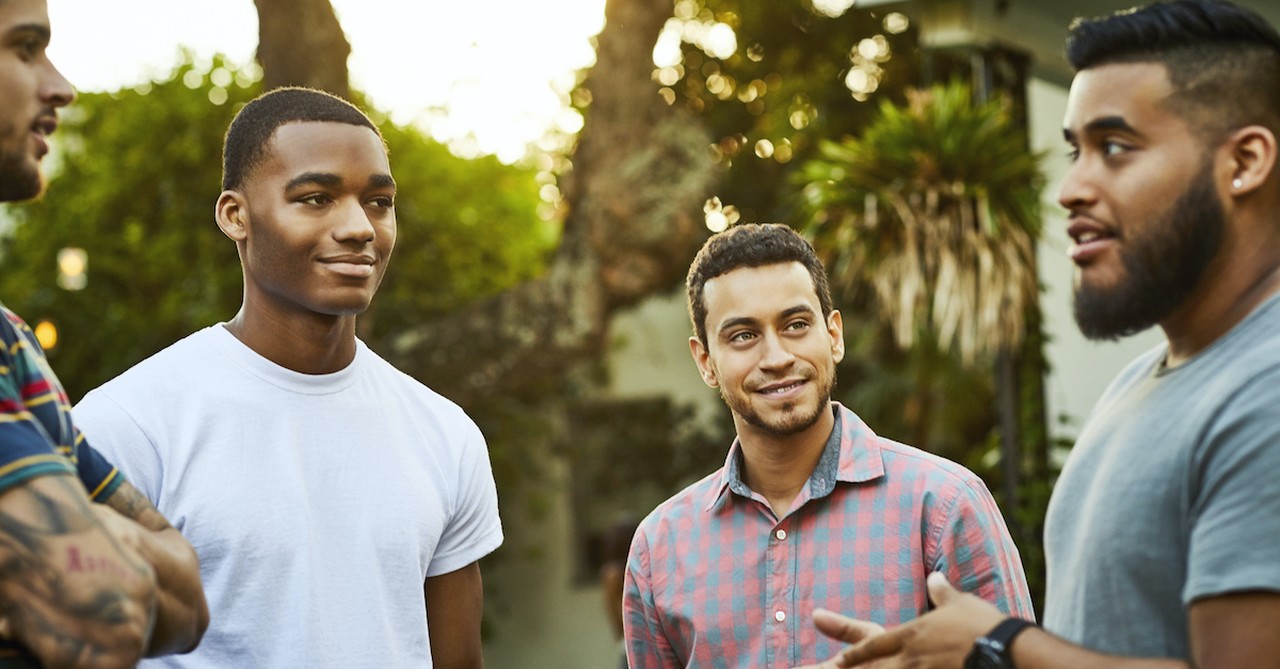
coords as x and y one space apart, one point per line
781 534
780 616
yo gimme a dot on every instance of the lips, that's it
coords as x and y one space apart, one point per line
782 388
351 265
43 126
1091 239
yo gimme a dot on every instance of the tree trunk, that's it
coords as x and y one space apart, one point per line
641 173
301 43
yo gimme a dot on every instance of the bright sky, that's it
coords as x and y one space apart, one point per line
495 65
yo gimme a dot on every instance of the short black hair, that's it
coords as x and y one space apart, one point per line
1223 60
245 145
751 245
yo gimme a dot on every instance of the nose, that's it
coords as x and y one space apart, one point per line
55 90
775 354
354 224
1078 188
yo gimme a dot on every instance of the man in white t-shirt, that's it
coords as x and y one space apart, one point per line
337 505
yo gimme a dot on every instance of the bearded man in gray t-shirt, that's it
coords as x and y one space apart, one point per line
1163 533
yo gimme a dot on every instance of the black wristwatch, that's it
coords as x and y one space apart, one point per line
991 650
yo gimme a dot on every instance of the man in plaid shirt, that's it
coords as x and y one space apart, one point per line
811 509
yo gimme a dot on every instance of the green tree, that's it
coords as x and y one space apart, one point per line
137 175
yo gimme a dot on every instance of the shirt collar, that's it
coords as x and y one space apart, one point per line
852 455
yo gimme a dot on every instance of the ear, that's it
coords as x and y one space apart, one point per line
702 359
1253 158
232 214
835 328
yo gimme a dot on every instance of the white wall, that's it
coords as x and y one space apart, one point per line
539 618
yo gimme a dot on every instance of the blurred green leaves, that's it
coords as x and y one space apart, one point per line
134 183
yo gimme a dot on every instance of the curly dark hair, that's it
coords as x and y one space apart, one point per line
750 245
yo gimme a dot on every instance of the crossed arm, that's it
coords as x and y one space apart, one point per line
70 591
181 611
1226 632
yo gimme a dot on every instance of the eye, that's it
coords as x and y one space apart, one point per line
1111 148
797 326
316 199
741 336
383 202
1074 153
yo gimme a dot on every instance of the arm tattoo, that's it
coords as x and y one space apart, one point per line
39 553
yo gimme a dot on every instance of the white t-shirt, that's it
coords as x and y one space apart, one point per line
318 504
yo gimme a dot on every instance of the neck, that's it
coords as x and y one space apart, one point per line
1235 284
310 343
778 467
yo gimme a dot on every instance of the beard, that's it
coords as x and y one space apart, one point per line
1162 266
19 177
793 419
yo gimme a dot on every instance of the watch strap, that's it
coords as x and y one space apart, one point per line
1001 636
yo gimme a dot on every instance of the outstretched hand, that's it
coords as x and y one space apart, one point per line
940 639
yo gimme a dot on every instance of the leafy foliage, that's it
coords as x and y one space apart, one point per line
136 179
783 89
936 208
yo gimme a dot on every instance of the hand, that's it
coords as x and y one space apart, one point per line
844 629
940 639
72 593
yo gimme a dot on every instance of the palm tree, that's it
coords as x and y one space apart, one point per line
936 209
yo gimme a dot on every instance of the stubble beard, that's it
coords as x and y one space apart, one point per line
789 422
1162 267
19 180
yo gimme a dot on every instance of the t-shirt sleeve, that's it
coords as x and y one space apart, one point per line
114 436
1235 503
100 477
26 449
974 550
473 529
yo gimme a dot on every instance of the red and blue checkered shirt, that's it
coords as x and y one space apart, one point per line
716 580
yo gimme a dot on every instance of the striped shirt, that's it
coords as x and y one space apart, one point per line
37 436
716 580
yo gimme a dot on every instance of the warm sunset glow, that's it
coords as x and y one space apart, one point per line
488 76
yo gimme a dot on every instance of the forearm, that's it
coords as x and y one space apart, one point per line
181 611
69 591
1038 649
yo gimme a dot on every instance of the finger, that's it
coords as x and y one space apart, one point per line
873 648
844 628
940 590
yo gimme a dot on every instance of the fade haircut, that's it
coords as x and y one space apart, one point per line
245 146
1223 60
750 245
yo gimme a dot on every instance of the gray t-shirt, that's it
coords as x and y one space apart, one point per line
1172 494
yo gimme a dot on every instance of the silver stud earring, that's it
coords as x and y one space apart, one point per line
1237 183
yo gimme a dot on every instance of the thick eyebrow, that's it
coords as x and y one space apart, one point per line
329 180
785 314
1103 124
38 29
314 179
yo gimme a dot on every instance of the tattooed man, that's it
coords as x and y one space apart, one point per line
91 575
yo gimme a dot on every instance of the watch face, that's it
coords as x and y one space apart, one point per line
984 657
